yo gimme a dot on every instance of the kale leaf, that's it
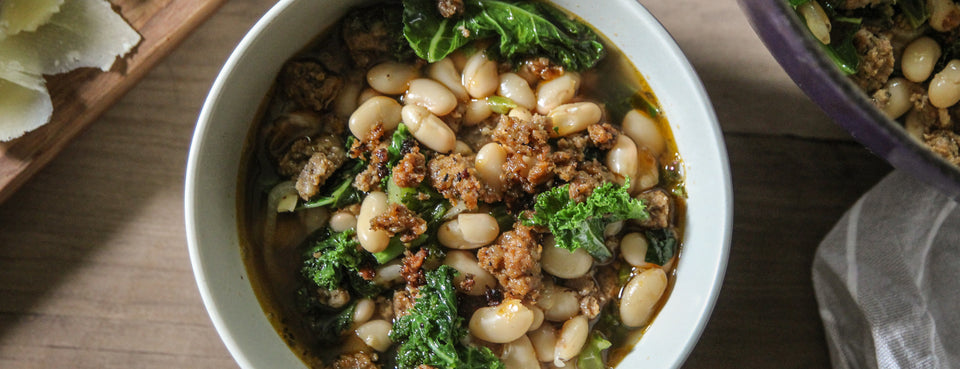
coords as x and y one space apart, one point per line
432 332
662 246
591 356
334 261
581 224
524 29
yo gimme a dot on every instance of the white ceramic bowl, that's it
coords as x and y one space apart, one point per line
230 108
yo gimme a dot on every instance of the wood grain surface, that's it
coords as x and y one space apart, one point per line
79 97
94 271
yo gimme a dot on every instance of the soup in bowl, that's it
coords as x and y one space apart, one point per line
360 191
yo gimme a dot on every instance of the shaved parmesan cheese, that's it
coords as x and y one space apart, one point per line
18 76
85 33
44 37
25 15
22 109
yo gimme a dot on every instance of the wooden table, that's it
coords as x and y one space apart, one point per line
94 271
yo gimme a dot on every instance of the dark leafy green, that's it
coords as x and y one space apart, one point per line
581 224
334 261
433 331
326 324
591 356
523 29
662 245
915 11
840 49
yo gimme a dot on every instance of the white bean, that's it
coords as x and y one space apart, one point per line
446 73
640 297
515 88
363 311
943 14
558 303
502 323
342 221
544 341
389 273
519 354
537 317
919 58
622 160
373 205
480 76
557 91
520 113
899 102
346 101
489 164
477 111
466 263
367 94
562 262
914 125
378 109
817 20
391 78
462 148
468 231
613 228
432 95
313 218
430 130
572 118
376 334
643 130
648 172
478 228
944 89
633 248
572 337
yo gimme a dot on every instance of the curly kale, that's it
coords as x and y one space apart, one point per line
581 224
334 261
432 333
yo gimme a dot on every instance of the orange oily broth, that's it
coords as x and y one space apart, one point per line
273 270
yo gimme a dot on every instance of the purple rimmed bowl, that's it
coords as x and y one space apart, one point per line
801 56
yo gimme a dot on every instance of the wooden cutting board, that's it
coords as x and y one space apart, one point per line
79 97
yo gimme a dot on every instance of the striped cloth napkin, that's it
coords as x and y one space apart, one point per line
887 279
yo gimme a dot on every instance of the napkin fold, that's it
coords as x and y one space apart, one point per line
887 279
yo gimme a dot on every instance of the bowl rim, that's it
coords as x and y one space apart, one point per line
704 302
804 60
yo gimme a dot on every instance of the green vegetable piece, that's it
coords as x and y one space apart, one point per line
394 249
581 224
640 101
662 246
500 104
334 261
524 29
432 332
915 11
591 356
339 192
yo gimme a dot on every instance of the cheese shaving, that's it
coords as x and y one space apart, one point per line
25 15
83 33
20 107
